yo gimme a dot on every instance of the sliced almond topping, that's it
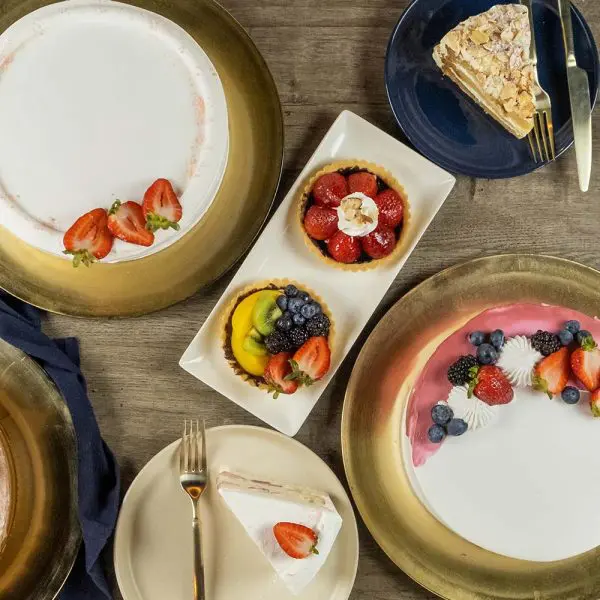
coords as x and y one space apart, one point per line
510 105
508 91
479 37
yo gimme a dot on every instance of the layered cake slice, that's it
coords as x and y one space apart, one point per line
294 528
487 56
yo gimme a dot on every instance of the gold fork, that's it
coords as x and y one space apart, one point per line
542 134
193 476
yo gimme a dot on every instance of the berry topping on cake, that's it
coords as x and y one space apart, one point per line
573 326
296 540
487 354
566 337
89 238
276 372
552 373
278 342
161 207
436 433
126 221
311 362
318 326
477 338
344 248
491 386
320 223
282 302
497 339
581 336
441 413
291 291
461 372
363 182
456 427
595 403
585 363
298 336
285 322
298 319
391 208
330 189
545 342
570 395
379 243
310 310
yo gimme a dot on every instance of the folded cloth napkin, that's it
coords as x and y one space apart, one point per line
98 478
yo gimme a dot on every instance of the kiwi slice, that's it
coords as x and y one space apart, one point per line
265 313
253 343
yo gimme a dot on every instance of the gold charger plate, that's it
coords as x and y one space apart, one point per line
372 429
39 440
233 219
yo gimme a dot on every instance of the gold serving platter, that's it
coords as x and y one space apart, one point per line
372 430
233 219
40 457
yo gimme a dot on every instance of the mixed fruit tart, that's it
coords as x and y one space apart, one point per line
353 214
277 336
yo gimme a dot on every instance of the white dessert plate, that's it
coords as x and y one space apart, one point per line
97 100
153 542
281 253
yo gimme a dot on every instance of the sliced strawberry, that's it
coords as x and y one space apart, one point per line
296 540
595 403
344 248
391 208
161 206
126 222
311 361
585 364
363 182
320 223
329 189
379 243
89 238
278 368
552 373
492 386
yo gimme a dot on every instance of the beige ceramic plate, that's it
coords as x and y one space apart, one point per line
36 428
228 227
372 427
153 543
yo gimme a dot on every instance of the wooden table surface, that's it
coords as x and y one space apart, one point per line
326 56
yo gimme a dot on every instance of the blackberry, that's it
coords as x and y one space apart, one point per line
459 372
318 325
277 342
298 336
545 342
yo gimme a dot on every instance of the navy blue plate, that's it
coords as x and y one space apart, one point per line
446 125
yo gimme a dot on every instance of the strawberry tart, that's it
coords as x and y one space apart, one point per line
277 336
501 432
353 214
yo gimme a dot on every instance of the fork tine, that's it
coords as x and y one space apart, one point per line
531 146
544 135
182 450
550 130
536 127
194 447
203 442
186 447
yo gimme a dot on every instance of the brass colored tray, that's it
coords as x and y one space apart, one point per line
229 226
36 428
372 426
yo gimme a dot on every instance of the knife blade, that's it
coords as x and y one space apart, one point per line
579 94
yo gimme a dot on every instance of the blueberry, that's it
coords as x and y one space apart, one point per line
285 322
298 319
573 326
291 291
310 310
441 413
487 354
295 304
477 338
282 302
570 395
497 339
457 427
436 434
304 296
581 335
565 337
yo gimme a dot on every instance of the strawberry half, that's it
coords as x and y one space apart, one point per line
551 374
595 403
491 386
330 189
296 540
161 207
126 222
585 364
278 368
363 182
89 238
320 223
311 361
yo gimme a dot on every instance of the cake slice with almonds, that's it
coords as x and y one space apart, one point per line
487 56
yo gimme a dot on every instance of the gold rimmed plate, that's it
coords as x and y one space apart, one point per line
372 430
228 227
39 457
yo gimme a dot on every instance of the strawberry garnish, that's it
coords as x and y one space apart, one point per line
363 182
344 248
89 238
551 374
296 540
491 386
311 361
278 368
320 223
391 208
161 206
595 403
379 243
126 222
585 363
330 189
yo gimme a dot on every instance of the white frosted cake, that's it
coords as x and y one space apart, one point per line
294 528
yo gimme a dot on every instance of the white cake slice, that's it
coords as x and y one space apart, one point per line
259 505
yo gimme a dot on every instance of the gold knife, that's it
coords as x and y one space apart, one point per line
579 94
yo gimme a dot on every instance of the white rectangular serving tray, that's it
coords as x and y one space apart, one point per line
280 253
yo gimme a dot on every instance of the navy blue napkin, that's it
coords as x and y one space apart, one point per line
20 326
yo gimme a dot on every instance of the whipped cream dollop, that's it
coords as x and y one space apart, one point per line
518 360
358 215
473 411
